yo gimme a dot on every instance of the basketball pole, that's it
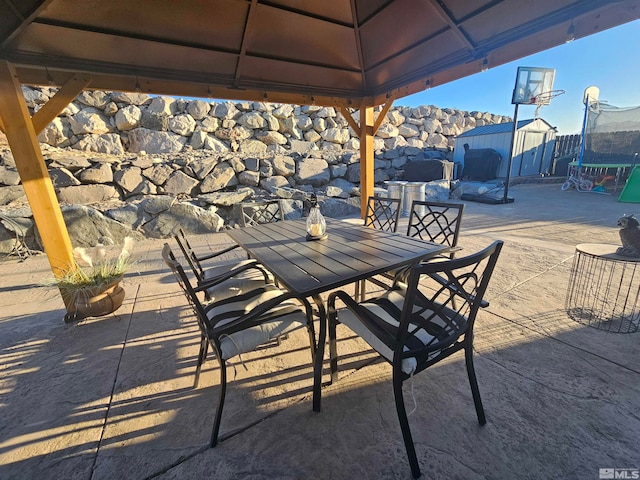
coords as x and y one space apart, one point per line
510 162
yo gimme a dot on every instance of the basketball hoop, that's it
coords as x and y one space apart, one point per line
544 98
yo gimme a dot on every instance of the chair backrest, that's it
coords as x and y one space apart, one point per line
261 212
189 254
382 213
187 288
437 222
435 311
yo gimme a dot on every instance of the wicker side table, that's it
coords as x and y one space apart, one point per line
604 289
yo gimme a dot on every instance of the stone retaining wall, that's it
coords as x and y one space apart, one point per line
129 162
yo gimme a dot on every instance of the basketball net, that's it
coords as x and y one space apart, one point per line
543 99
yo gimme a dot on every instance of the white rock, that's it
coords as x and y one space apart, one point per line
128 118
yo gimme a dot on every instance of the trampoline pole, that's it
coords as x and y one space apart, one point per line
584 129
513 137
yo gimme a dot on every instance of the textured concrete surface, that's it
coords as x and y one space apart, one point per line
112 397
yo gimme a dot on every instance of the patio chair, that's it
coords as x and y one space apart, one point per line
382 214
437 222
261 212
413 327
238 325
226 279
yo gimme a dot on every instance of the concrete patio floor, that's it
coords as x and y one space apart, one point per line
112 397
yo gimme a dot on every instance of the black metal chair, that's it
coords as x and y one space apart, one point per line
413 327
239 324
225 279
437 222
257 213
382 214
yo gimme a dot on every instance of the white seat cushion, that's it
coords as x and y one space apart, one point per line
241 283
420 337
285 317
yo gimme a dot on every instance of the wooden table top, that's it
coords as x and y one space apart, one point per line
350 253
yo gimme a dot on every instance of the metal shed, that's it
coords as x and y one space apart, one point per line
532 146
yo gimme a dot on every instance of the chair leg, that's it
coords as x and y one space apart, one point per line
404 426
477 401
312 340
362 290
333 346
223 391
204 346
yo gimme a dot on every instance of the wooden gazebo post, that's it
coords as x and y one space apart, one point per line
36 182
366 156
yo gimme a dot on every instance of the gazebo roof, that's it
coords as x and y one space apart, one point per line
337 52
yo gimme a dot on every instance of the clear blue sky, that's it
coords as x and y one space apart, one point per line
609 60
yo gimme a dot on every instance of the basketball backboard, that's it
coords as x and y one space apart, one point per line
531 82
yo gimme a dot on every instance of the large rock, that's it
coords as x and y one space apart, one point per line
129 179
9 176
190 218
198 109
12 194
209 124
158 173
34 97
89 120
387 130
99 173
87 194
313 171
271 184
249 178
284 165
337 208
131 98
271 138
163 105
61 177
272 121
339 187
252 120
180 183
215 145
87 227
223 175
407 130
227 199
252 147
55 133
109 143
289 125
203 166
157 204
155 121
336 135
129 215
93 98
142 139
182 124
128 118
224 111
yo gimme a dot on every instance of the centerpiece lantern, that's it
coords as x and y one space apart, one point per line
316 224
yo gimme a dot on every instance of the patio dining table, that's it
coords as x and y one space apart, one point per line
351 252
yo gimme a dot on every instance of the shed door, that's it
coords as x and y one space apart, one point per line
532 151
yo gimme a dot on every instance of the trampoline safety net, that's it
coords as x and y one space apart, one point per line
612 134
